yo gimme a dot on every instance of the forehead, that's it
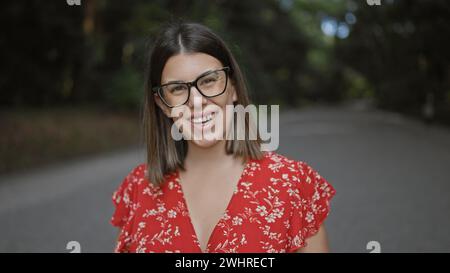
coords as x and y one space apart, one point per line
188 66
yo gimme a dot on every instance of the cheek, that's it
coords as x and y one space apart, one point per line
179 113
226 99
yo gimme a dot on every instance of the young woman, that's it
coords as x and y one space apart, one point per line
209 193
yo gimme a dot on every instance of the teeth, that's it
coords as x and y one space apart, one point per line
202 119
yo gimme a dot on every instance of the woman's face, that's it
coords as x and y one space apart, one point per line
201 120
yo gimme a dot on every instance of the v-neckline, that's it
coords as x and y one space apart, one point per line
227 209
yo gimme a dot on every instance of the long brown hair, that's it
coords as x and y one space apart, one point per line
164 154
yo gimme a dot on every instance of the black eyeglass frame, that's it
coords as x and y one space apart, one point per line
158 89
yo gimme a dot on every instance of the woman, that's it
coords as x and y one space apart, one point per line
211 193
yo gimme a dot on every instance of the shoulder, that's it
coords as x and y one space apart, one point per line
134 179
296 174
131 192
137 176
279 163
137 173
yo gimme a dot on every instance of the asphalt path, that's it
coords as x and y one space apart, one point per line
391 174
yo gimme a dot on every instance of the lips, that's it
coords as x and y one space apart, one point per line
202 118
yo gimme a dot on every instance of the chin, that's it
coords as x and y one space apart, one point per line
204 143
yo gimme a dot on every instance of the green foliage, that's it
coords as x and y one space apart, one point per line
356 85
125 90
90 61
397 53
401 48
41 46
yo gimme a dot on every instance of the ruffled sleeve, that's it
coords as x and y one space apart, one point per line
125 202
310 205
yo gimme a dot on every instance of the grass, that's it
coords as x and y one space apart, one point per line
31 138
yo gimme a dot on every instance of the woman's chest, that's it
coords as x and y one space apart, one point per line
256 219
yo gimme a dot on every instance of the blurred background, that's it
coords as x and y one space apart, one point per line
363 88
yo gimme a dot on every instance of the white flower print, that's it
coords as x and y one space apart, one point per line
147 191
243 239
171 213
270 218
150 212
161 209
280 203
226 216
177 231
261 210
237 221
309 217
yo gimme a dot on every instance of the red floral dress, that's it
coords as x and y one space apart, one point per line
277 205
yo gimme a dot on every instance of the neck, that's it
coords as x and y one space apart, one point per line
211 156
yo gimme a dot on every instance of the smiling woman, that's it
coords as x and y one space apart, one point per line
209 194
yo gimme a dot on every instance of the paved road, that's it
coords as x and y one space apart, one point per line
391 175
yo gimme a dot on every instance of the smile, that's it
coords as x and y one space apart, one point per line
203 119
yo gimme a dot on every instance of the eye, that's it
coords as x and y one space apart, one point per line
209 79
177 88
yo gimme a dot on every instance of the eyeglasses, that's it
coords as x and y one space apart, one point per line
209 84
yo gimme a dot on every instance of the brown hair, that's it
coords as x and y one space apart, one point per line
164 154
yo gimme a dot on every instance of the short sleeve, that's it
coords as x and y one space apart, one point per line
310 205
125 202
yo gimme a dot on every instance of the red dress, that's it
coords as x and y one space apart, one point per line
278 203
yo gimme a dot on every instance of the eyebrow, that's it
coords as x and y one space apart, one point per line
202 74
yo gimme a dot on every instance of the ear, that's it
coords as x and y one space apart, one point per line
161 105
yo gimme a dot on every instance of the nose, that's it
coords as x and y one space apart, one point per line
196 99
